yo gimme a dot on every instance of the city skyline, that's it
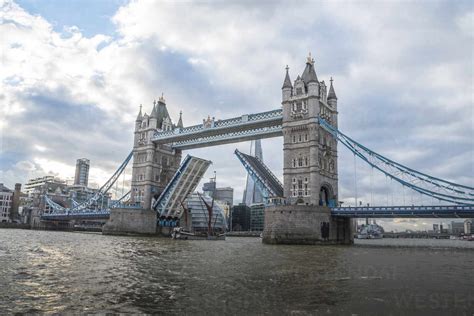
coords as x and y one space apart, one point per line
395 78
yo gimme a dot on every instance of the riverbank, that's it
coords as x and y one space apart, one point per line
15 226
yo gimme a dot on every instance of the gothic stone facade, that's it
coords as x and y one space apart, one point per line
310 152
153 165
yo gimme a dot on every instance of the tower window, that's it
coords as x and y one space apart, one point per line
305 137
294 138
299 91
299 137
300 162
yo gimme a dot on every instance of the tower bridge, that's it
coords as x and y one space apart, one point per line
302 209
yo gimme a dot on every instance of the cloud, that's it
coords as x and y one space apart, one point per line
403 76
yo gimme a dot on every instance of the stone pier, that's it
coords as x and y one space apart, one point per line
304 224
130 221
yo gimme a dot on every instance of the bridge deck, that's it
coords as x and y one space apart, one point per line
261 175
434 211
184 181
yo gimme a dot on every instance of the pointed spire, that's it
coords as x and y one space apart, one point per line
139 116
154 113
162 98
309 74
287 82
332 93
180 121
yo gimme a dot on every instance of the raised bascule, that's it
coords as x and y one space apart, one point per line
304 208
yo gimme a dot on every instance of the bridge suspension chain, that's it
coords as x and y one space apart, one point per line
94 200
420 182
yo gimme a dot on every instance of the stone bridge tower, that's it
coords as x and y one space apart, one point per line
309 152
153 165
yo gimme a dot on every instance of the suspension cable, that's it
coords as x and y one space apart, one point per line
355 179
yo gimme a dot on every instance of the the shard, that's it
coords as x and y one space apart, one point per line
252 194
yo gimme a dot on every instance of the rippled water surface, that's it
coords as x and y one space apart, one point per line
64 272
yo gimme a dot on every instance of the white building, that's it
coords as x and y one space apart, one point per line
6 197
36 184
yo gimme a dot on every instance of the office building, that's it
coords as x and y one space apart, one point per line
257 217
6 197
82 172
240 217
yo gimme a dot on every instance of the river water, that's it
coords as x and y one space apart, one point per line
63 272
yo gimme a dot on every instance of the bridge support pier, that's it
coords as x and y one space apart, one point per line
305 224
130 221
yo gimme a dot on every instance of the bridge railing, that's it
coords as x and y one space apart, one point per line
430 211
217 124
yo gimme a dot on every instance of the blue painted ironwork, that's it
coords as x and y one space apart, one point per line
90 206
53 205
420 182
245 120
266 181
183 182
159 204
121 202
229 137
434 211
106 187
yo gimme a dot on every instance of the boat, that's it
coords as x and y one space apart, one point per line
370 231
211 233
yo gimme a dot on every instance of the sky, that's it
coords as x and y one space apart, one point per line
73 74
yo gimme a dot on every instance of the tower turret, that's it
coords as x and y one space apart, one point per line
180 121
287 87
154 116
332 98
323 91
310 78
139 119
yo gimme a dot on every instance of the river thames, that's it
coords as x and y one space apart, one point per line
64 272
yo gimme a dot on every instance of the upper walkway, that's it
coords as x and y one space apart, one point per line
217 132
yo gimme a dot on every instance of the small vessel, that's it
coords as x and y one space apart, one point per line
371 231
210 234
179 233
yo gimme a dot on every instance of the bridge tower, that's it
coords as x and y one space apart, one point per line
309 152
153 164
